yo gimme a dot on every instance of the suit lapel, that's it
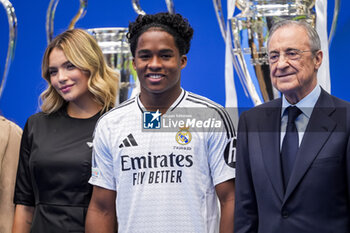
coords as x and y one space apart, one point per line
319 128
269 128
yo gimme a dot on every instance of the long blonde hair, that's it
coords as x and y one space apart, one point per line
82 51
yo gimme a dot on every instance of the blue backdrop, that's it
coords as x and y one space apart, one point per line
204 73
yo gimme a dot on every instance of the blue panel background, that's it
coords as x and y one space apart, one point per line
204 73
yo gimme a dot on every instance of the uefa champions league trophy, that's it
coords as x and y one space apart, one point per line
250 30
12 20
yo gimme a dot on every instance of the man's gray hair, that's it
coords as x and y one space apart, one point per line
314 39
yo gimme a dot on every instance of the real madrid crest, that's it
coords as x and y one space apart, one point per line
183 137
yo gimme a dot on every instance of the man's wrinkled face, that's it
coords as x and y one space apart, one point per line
296 77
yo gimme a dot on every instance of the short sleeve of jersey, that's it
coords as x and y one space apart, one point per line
102 174
23 190
221 149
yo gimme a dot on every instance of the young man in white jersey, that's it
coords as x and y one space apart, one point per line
147 176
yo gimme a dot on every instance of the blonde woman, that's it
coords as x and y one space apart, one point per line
52 191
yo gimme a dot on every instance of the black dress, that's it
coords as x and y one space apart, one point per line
54 169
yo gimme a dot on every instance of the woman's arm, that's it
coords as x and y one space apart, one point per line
23 219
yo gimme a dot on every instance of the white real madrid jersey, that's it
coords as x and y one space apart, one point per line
164 168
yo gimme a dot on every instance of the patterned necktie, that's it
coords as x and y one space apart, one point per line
290 144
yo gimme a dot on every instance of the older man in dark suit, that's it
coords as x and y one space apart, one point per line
293 153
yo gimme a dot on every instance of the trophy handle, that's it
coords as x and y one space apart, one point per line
238 60
80 14
241 66
334 21
220 17
139 11
12 19
245 78
50 15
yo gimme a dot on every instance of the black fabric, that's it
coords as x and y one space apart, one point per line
54 169
290 144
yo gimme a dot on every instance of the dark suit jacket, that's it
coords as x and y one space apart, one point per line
317 197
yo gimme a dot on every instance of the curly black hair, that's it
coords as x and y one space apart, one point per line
174 24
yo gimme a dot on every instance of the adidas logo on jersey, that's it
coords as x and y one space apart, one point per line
128 141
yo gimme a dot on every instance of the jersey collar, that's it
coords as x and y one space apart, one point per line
172 106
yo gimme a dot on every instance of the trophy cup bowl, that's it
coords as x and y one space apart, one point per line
12 20
116 50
